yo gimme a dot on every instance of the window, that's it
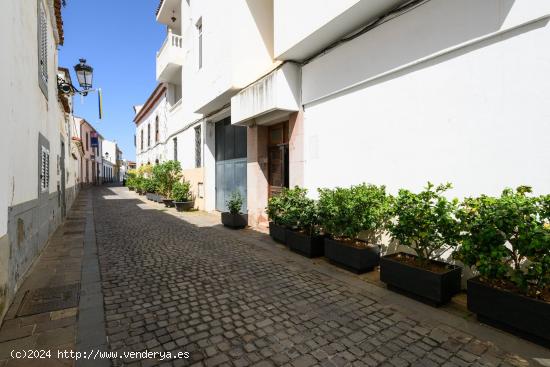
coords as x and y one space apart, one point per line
148 135
87 142
134 139
157 136
141 139
175 149
44 170
199 31
198 150
42 48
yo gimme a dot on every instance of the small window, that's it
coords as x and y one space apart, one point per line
42 48
175 149
198 150
148 135
199 31
141 142
87 142
44 170
157 135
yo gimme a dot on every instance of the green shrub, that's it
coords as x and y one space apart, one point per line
165 175
181 191
276 209
346 212
130 182
149 185
140 184
507 239
235 203
300 211
425 222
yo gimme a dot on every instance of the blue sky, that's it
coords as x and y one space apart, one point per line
119 38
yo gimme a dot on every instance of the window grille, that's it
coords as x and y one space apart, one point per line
44 170
175 149
198 150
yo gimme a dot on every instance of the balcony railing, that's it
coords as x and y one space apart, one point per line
169 57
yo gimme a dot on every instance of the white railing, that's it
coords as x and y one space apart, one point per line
171 40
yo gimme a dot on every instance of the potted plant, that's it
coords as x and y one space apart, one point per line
426 223
130 181
276 207
234 218
166 175
303 233
149 187
181 193
140 185
506 242
347 213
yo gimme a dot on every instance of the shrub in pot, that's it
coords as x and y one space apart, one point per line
426 223
150 188
234 218
506 241
276 209
130 180
166 175
181 194
140 185
302 219
344 214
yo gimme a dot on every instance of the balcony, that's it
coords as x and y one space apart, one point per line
269 99
170 59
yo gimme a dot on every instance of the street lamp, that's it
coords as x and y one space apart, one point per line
84 73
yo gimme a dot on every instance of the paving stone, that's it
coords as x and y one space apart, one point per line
171 284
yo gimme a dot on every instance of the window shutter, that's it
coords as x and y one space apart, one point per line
45 170
43 43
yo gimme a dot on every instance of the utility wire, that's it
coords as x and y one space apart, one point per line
391 14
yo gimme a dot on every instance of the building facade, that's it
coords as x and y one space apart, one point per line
386 92
112 158
38 161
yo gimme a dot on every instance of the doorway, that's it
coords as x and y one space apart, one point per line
278 172
63 178
231 163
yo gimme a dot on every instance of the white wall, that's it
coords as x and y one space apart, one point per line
233 56
156 150
307 26
477 117
26 114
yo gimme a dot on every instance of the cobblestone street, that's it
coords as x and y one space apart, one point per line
170 285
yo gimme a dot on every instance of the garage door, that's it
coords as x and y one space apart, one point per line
230 163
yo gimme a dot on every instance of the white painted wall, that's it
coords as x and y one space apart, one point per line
156 150
477 116
26 114
307 26
233 57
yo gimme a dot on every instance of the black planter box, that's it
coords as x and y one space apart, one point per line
421 284
305 245
182 206
523 316
235 221
357 260
277 232
169 203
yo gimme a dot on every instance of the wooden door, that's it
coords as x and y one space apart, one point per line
277 159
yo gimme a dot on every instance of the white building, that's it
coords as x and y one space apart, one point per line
389 92
39 166
112 157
